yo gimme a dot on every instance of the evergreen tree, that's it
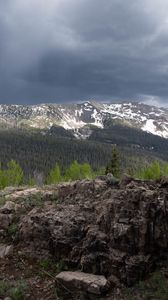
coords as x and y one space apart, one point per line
114 164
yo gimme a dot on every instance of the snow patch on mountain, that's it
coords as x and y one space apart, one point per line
77 116
149 126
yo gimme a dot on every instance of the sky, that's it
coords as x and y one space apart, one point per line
75 50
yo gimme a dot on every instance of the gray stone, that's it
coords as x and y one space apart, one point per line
5 221
5 250
8 208
94 284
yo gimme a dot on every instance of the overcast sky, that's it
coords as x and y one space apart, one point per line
75 50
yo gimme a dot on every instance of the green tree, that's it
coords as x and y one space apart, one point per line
3 178
165 170
54 176
14 173
86 171
114 164
31 181
153 171
73 172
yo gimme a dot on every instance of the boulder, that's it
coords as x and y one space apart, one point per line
94 284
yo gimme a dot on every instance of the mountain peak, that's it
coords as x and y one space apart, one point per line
75 116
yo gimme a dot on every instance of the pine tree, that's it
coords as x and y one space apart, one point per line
114 164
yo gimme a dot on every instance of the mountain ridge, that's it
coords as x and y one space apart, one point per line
76 116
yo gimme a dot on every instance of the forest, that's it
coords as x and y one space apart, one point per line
38 152
13 175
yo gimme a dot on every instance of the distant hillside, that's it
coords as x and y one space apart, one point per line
74 117
39 151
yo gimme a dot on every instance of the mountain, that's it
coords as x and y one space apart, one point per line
81 119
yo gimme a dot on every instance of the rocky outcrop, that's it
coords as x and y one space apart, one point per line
120 232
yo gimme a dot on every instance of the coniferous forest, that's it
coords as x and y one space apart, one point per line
38 152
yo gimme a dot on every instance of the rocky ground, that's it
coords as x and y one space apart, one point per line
99 239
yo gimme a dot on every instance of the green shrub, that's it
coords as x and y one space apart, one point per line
153 171
12 176
54 176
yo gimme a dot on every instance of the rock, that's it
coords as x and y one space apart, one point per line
97 227
94 284
125 180
109 179
8 208
5 250
5 220
164 182
114 282
7 298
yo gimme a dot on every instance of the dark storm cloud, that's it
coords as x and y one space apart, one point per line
69 50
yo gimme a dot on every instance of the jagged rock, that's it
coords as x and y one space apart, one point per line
5 220
125 180
8 208
5 250
94 284
100 229
164 182
109 179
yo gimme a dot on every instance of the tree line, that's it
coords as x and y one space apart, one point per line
13 175
37 152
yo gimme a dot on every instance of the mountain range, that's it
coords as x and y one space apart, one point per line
81 119
39 136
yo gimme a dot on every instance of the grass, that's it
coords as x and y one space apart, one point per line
45 264
156 287
35 200
61 266
48 267
12 230
4 286
2 201
38 199
15 290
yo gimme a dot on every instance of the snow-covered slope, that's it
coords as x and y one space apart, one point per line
76 116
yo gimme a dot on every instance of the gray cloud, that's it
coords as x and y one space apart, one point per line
72 50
